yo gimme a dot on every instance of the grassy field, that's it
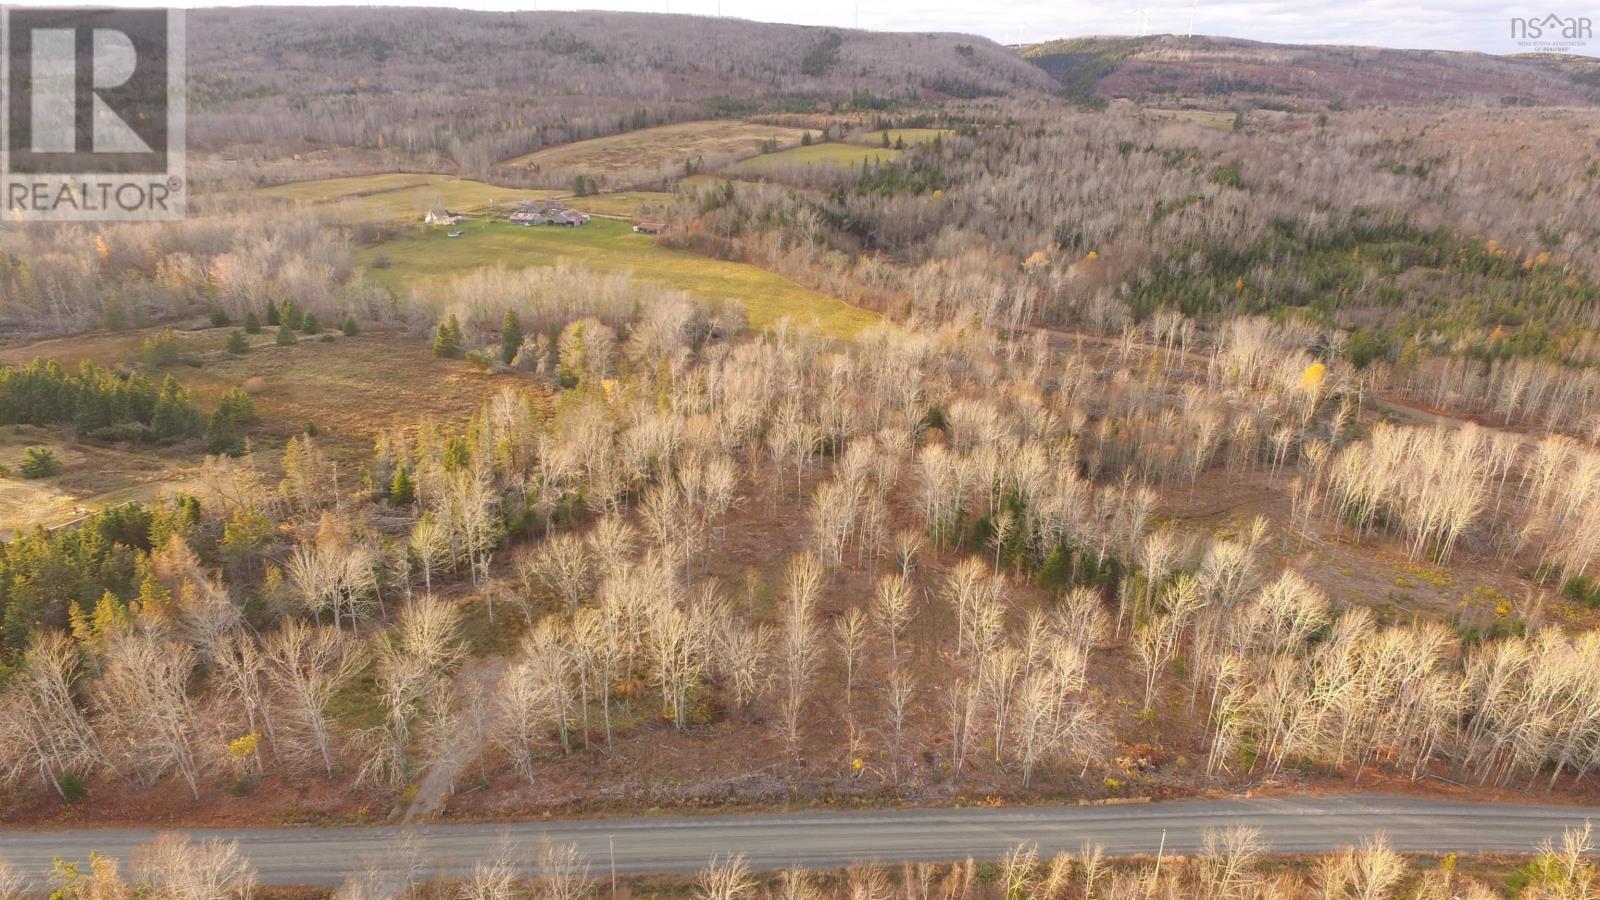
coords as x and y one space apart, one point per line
346 387
623 203
323 379
324 190
608 245
908 136
374 198
665 147
835 154
92 476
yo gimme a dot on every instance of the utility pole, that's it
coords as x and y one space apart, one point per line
611 842
1161 851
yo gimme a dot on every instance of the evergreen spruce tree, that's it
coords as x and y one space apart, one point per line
273 318
285 335
225 432
447 340
309 325
153 595
252 324
349 327
401 490
510 337
238 344
175 418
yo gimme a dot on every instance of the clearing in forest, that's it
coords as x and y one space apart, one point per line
834 155
375 198
1206 118
606 245
93 476
343 387
905 136
635 204
659 150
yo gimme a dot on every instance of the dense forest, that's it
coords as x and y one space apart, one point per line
1186 446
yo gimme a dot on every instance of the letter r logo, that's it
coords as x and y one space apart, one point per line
88 90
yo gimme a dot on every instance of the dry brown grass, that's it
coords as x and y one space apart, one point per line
93 476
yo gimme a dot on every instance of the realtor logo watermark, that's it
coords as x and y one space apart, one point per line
1552 33
94 119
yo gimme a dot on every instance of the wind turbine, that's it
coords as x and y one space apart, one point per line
1192 7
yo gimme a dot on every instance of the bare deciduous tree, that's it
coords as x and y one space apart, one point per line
146 708
173 868
309 665
43 734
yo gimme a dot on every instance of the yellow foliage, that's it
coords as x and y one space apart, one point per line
1036 260
938 195
1093 254
243 747
1311 379
101 248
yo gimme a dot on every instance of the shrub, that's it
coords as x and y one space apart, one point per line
39 462
121 431
1582 589
71 786
1227 176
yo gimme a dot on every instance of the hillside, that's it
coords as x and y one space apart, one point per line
508 84
1222 71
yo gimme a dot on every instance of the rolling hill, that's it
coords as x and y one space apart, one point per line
507 84
1227 70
